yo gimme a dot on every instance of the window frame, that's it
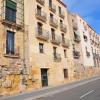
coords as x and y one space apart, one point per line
10 47
41 48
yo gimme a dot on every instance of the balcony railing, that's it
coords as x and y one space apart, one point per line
57 57
15 21
65 43
75 26
56 40
41 1
41 15
88 53
12 54
62 14
63 27
52 8
54 22
42 34
18 25
76 54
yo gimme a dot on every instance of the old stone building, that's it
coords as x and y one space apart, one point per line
76 46
49 43
42 44
11 45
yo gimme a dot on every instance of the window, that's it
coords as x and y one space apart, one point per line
51 16
75 35
50 3
61 22
85 38
59 10
10 11
53 33
54 51
87 52
65 53
63 38
38 10
41 47
65 73
39 26
10 42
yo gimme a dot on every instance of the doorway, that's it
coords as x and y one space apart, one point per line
44 77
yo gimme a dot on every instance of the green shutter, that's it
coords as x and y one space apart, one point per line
11 4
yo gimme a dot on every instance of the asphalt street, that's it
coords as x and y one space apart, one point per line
88 89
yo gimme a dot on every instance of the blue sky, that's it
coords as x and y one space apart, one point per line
88 9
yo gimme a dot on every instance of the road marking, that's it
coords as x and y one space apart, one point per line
86 94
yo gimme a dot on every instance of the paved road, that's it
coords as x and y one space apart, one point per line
88 89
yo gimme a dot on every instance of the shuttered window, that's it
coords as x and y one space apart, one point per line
10 11
10 4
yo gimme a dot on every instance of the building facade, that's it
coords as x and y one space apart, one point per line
49 43
42 36
11 44
85 43
95 47
88 44
76 46
42 44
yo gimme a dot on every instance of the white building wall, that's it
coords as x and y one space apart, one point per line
87 61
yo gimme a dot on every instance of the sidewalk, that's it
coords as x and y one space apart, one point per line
49 90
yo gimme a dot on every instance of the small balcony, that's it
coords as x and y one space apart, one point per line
66 43
42 34
88 53
75 26
76 37
15 24
57 57
11 54
63 28
41 1
52 8
12 19
54 22
76 54
56 40
40 15
62 14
